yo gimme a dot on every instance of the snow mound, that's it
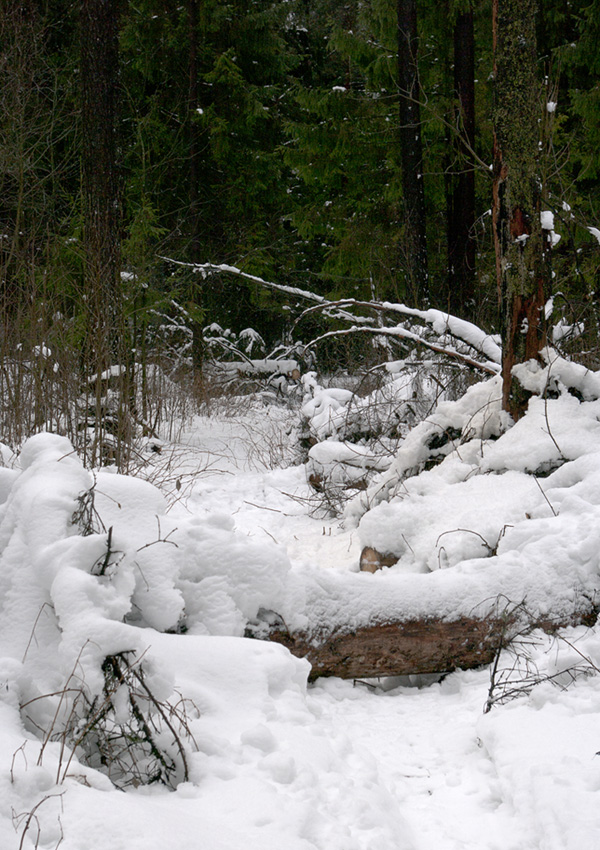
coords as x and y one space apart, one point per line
91 567
474 507
98 577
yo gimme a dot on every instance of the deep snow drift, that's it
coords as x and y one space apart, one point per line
99 574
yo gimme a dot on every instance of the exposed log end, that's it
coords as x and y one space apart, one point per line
371 560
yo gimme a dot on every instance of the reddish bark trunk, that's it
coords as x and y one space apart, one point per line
522 274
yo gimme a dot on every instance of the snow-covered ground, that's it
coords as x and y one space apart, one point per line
273 763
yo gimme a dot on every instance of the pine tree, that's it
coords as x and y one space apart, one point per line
411 152
521 269
209 83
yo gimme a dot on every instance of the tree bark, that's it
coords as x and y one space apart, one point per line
522 276
461 244
194 188
416 646
411 153
105 339
100 183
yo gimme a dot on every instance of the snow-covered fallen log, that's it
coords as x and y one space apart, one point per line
500 536
406 645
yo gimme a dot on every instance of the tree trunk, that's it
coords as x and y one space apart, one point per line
416 646
104 331
101 203
522 275
411 153
194 181
461 244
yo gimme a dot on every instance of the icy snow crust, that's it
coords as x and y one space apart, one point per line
273 762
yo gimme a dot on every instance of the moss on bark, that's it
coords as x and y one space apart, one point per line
521 268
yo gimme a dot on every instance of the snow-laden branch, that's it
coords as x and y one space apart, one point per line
441 323
212 268
402 333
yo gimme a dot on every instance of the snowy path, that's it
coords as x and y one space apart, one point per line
429 758
422 744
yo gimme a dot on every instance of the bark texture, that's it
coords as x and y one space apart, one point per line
415 646
411 153
105 342
101 203
194 145
522 275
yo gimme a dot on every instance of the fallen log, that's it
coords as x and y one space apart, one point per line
394 649
417 646
373 632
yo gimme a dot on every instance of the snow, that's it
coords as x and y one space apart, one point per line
595 232
97 565
547 219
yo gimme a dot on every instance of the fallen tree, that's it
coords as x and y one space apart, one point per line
501 536
418 646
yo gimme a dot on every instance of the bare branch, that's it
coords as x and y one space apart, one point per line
402 333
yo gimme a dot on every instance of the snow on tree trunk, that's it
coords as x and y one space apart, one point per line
522 275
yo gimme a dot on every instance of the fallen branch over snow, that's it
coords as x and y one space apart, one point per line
442 325
402 333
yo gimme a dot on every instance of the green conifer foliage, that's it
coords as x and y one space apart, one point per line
243 63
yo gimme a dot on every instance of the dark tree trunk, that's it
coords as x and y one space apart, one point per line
104 331
101 205
194 178
411 153
522 273
461 242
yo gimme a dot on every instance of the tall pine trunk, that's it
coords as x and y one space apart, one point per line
522 275
411 153
194 176
104 344
461 242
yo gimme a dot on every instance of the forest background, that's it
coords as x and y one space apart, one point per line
273 137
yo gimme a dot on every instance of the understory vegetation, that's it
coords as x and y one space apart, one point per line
255 162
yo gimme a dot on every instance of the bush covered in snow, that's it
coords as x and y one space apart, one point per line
349 434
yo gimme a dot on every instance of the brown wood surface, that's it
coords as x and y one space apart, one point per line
416 646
